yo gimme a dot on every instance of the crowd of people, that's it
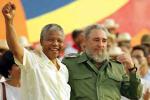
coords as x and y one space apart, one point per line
99 65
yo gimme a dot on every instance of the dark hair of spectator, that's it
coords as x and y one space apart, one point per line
76 33
6 63
141 47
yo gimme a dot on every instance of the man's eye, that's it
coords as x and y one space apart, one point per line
105 40
50 40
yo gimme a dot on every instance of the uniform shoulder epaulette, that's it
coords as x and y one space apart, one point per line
72 55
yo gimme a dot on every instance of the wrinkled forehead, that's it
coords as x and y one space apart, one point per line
53 33
97 33
137 52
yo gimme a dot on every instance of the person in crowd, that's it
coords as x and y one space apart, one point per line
114 52
43 76
145 40
111 26
93 76
140 52
123 41
78 40
3 49
10 89
111 42
148 59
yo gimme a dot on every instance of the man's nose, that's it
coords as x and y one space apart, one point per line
101 44
55 42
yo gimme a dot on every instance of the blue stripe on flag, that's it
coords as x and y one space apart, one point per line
34 8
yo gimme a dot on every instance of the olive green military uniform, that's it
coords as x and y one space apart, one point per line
107 83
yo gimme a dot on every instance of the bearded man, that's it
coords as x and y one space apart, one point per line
94 76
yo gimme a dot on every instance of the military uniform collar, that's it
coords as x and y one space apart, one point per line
83 57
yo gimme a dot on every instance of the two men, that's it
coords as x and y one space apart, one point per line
43 76
93 76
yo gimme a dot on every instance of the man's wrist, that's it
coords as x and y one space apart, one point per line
8 21
133 69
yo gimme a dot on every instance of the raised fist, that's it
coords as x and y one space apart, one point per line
9 11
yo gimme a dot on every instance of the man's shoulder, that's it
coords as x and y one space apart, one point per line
71 55
71 58
33 54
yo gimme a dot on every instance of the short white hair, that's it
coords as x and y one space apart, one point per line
88 29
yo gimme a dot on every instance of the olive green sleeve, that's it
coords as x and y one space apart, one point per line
131 86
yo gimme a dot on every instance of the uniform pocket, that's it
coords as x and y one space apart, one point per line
114 80
81 85
112 86
115 77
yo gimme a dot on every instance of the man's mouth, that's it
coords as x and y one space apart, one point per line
54 49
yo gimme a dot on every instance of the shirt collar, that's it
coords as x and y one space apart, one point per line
83 58
46 60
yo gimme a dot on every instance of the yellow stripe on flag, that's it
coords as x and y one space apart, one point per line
77 14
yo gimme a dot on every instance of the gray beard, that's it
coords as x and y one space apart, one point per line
99 57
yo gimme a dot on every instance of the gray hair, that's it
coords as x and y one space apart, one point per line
88 29
51 27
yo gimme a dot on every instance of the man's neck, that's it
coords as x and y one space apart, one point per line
54 61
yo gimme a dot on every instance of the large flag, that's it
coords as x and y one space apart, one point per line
132 15
19 21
